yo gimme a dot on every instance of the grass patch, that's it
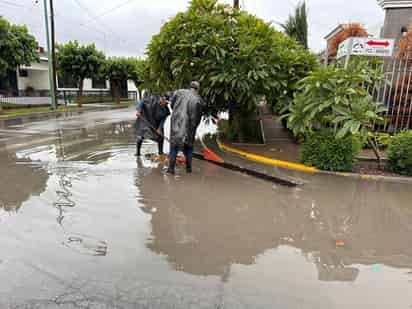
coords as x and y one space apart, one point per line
125 103
36 110
12 110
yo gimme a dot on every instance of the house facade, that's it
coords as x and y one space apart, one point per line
398 17
324 56
33 81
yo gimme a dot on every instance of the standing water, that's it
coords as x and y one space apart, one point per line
84 224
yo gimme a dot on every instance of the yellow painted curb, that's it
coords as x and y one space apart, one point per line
268 161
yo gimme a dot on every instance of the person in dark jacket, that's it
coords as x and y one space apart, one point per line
186 116
151 113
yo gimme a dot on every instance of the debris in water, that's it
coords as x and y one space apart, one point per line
156 158
376 268
340 243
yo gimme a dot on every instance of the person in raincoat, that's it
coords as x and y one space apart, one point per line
186 116
151 113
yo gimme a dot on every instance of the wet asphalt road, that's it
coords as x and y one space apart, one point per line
83 224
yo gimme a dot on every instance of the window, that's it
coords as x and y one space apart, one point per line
99 83
23 73
67 81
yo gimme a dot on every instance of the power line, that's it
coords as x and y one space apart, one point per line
112 33
5 2
90 14
104 34
107 12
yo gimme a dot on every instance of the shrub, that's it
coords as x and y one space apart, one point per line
225 130
400 153
249 131
323 150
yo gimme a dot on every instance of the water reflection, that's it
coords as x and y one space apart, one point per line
205 224
19 181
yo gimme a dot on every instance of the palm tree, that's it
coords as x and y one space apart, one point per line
297 25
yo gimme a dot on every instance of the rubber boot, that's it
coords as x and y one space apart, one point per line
188 166
172 167
160 147
139 144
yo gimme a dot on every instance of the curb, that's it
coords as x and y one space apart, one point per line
268 161
308 169
247 171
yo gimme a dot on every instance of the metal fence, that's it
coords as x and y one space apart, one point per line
395 92
66 97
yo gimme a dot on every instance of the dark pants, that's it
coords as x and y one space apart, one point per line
187 151
139 144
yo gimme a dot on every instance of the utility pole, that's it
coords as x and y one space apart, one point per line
53 51
49 56
236 4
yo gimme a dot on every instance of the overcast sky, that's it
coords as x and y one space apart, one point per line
122 27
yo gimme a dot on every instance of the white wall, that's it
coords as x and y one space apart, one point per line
38 77
131 86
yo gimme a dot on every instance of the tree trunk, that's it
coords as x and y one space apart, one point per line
375 149
80 97
236 4
117 91
231 114
237 126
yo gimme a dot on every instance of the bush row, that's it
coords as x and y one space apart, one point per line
323 150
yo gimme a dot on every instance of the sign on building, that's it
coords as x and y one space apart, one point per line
366 47
343 49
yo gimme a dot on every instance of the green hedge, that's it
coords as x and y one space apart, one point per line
323 150
400 153
250 128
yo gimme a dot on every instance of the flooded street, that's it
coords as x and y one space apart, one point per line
84 224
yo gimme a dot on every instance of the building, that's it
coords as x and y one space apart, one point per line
337 35
324 56
33 81
398 17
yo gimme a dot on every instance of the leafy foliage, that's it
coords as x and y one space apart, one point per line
297 25
330 92
248 128
237 57
400 153
137 74
79 62
119 69
17 47
334 96
226 130
324 150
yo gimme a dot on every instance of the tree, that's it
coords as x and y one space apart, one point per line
118 70
238 58
138 73
359 118
334 96
297 25
17 47
79 62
